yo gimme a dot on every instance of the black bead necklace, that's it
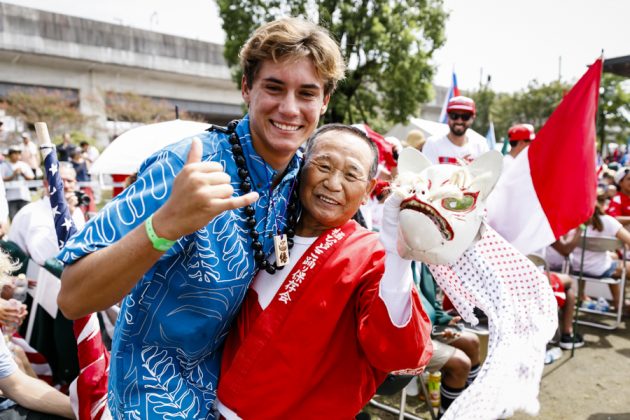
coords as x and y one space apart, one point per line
246 186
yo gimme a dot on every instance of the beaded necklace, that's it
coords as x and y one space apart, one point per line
282 242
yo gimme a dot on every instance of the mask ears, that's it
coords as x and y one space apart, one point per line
485 171
412 160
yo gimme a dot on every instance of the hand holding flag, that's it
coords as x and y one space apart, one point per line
88 393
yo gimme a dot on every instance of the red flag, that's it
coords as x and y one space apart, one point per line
385 148
88 392
562 159
551 187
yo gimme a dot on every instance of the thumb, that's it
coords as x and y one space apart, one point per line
194 154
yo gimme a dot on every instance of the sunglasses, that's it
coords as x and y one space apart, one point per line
455 116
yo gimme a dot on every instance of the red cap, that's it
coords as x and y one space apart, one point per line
521 132
461 103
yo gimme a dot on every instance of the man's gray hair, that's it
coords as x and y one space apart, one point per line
310 143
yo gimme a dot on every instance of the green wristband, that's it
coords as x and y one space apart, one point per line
159 244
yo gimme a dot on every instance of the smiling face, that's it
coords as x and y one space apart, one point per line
456 122
285 102
335 181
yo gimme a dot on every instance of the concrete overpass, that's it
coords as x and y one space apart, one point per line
87 59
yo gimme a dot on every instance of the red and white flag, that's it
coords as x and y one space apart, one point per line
551 186
88 392
36 359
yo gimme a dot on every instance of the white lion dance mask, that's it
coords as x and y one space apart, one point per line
441 224
444 205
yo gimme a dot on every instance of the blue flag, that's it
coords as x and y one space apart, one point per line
492 140
64 225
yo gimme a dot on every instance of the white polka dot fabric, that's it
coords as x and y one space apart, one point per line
522 317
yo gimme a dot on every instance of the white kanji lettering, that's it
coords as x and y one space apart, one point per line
310 261
298 276
285 297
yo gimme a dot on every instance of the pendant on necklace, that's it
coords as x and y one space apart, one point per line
282 250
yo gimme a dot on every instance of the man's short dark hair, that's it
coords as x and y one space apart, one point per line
310 143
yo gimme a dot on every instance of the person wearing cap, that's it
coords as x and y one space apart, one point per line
14 169
520 136
30 154
456 147
619 206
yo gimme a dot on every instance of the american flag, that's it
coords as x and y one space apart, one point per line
88 392
453 91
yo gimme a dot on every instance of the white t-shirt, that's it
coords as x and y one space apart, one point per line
507 162
438 147
91 154
17 192
33 230
4 206
596 263
7 364
30 155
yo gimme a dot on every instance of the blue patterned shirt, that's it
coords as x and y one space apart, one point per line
166 348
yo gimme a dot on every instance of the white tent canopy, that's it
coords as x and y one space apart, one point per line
125 154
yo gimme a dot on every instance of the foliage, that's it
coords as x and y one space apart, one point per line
387 45
132 107
612 122
532 105
76 138
484 98
536 103
51 106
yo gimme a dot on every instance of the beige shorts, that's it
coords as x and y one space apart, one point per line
441 353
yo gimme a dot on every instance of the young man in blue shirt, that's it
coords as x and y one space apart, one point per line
180 245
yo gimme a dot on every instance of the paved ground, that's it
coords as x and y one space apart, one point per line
593 385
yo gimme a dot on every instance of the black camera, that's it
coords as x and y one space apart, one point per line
83 198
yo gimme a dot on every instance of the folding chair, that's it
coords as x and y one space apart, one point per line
601 245
397 383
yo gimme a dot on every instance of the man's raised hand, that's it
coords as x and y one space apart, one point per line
201 191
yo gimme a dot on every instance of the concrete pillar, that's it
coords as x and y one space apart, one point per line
92 105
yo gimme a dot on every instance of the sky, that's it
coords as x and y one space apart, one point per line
513 41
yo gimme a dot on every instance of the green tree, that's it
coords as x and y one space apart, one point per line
532 105
387 45
613 123
484 98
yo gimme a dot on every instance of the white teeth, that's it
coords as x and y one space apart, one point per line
286 127
327 200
